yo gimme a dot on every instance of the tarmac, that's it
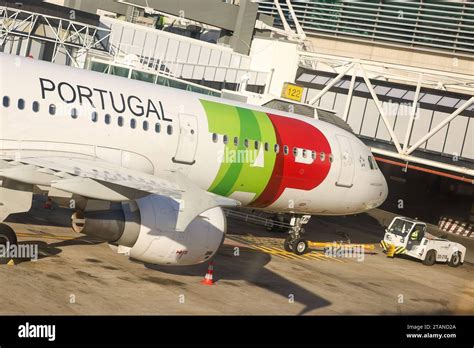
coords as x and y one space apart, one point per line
253 275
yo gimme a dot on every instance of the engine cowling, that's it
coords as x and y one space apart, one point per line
147 226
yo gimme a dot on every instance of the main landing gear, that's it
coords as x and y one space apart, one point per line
7 238
295 242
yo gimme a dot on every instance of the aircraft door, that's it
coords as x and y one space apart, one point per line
347 168
188 139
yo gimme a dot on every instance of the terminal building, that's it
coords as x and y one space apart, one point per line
398 74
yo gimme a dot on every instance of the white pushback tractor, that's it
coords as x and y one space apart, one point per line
406 236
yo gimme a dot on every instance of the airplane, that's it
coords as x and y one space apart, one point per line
149 168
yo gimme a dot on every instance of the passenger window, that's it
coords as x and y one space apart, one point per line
36 106
276 148
266 147
331 158
322 156
286 151
225 139
313 155
133 123
74 113
145 125
295 151
21 104
215 137
95 116
305 154
236 141
52 109
157 127
107 119
257 144
246 142
169 129
120 121
6 101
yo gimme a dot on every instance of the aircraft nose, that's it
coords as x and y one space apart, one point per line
384 189
377 192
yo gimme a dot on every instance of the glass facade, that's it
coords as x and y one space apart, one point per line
113 69
428 24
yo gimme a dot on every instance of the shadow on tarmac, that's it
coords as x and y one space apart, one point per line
250 267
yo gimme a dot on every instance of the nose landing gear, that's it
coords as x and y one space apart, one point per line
295 242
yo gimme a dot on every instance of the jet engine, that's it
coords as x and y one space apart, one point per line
147 227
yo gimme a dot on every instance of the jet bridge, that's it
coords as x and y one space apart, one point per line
409 114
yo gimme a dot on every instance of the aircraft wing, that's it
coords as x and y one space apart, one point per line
96 179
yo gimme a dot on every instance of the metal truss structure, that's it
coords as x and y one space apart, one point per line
372 71
67 35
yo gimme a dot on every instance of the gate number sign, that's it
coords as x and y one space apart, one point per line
292 92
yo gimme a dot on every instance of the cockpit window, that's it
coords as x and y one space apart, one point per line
373 163
370 163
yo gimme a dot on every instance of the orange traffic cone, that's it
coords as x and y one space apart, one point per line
208 278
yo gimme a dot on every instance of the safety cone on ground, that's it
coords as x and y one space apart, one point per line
208 278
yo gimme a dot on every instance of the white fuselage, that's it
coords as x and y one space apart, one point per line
49 108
